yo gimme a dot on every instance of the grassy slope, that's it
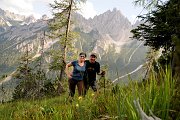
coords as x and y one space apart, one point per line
115 103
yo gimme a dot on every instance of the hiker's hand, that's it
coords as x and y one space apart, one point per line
103 73
69 75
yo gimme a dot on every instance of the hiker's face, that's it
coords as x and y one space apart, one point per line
82 57
92 59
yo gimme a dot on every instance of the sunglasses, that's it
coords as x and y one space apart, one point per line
82 56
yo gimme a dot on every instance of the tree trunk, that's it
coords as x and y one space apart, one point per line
60 87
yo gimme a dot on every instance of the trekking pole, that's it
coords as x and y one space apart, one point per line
104 84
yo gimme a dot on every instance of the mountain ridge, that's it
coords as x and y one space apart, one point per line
108 29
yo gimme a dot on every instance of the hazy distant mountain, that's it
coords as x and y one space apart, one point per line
10 19
11 16
15 32
112 27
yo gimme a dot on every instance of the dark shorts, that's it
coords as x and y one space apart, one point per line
72 87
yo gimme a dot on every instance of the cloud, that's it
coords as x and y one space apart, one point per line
47 1
23 7
30 7
87 10
133 19
19 4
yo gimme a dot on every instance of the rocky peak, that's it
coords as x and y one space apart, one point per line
30 19
82 23
1 12
112 22
11 16
8 18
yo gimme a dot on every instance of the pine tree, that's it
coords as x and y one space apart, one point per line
161 30
33 82
23 73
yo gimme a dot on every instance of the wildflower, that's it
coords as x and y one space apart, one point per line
77 105
80 98
92 94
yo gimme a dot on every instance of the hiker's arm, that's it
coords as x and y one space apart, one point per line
102 73
67 70
98 69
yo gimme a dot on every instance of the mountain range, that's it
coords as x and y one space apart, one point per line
107 34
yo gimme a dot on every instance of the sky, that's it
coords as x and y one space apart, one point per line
89 9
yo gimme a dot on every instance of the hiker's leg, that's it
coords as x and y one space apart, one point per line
72 86
80 86
93 86
86 86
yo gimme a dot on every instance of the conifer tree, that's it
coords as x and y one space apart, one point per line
33 82
161 30
23 73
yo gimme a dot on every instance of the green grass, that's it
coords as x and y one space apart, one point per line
117 103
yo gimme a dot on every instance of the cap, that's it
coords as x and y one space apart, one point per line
93 54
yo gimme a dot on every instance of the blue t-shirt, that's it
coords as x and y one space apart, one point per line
78 71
